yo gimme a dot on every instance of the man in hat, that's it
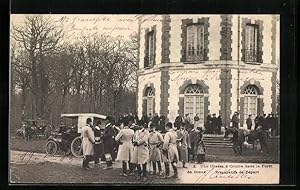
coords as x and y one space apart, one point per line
155 119
235 120
124 137
192 137
196 121
88 140
178 121
214 123
235 140
208 125
162 123
155 142
249 122
183 144
170 152
140 155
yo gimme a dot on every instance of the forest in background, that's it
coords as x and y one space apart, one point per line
50 76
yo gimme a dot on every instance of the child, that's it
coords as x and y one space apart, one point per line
200 146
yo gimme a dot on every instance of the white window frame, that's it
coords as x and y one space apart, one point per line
250 102
251 43
194 102
195 40
150 56
150 101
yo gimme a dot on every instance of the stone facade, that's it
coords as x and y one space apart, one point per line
219 73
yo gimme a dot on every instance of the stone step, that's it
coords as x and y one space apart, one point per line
212 143
217 146
217 141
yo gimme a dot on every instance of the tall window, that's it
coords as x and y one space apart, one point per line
150 101
251 46
194 102
195 42
250 102
150 49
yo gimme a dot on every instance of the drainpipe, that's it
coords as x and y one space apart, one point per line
139 17
238 77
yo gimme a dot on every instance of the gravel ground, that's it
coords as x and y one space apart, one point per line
213 154
64 173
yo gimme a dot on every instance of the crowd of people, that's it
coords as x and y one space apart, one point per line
137 143
267 123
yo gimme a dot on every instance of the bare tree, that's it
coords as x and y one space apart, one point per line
40 39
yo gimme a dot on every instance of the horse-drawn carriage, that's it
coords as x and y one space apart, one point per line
68 139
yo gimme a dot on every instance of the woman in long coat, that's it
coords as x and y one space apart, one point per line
88 140
124 137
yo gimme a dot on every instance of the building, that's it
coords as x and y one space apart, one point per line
208 64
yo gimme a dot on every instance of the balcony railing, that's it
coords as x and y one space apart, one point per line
251 55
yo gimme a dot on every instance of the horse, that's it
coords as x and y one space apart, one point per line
252 136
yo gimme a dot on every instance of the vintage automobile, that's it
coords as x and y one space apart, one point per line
68 139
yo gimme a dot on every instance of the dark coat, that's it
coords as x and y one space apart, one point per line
155 120
249 123
219 121
214 122
178 121
99 146
235 121
108 139
162 123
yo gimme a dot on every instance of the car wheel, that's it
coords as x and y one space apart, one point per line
51 148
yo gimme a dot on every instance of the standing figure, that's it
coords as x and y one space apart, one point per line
236 143
235 120
170 152
187 120
162 123
98 147
214 124
144 119
88 140
178 121
140 155
155 142
249 122
200 146
192 136
219 123
183 145
196 121
108 141
208 125
124 137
